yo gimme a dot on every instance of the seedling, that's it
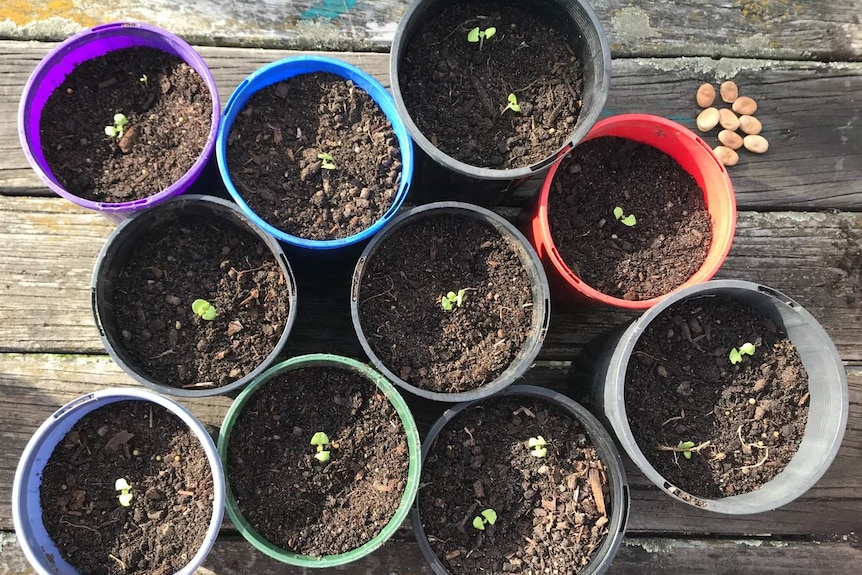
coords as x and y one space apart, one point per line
686 448
320 440
143 79
513 104
120 123
628 220
452 299
477 35
125 490
736 354
538 446
204 309
487 517
327 164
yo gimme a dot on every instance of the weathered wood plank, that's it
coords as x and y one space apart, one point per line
810 165
48 248
232 555
748 28
35 385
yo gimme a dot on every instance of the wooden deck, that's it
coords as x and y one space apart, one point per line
799 231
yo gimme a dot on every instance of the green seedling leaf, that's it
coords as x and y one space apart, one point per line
204 309
490 516
538 441
686 445
322 456
125 499
513 104
539 452
122 485
446 304
473 35
328 163
734 356
319 439
143 79
478 523
115 131
628 220
489 32
747 348
111 132
120 120
459 299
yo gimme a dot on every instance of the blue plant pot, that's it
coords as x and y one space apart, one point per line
288 68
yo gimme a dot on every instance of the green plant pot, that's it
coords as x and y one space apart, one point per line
412 486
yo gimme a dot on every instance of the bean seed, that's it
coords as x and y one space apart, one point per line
730 139
725 155
705 95
745 105
707 120
728 119
729 91
756 144
750 124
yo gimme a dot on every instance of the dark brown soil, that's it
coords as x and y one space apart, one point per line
552 512
681 386
177 263
293 500
400 303
665 247
274 159
170 117
171 485
457 94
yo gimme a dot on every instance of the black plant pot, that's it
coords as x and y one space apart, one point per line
598 436
541 305
115 254
827 384
438 176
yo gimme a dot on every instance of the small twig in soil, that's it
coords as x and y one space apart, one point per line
677 418
151 417
759 463
119 561
684 449
64 522
470 513
458 27
388 291
655 359
163 354
200 384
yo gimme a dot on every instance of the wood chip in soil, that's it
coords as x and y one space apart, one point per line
275 148
171 486
672 232
552 512
169 111
681 387
179 262
400 303
457 93
295 501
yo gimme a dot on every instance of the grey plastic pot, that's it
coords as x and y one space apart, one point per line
827 383
529 260
601 440
116 251
439 176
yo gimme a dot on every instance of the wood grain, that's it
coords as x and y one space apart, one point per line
231 555
826 30
790 96
36 385
48 248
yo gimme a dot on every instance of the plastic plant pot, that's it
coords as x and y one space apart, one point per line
441 177
827 384
287 68
693 155
413 447
38 547
87 45
116 252
529 260
601 440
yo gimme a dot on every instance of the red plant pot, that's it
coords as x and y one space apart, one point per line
694 156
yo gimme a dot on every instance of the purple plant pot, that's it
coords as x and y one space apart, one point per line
86 45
